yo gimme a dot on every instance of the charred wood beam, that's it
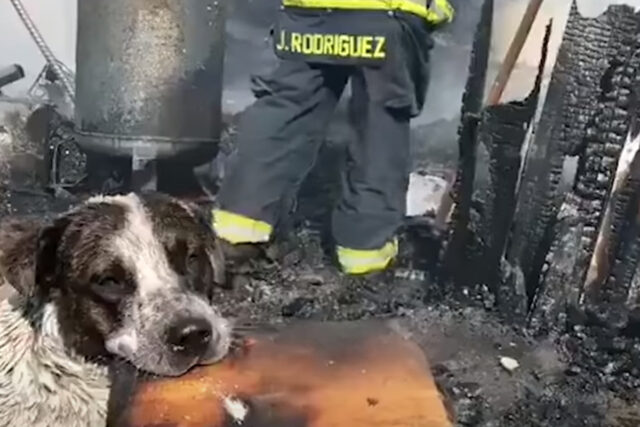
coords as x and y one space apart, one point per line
583 212
503 132
610 126
455 253
608 285
623 286
587 68
562 271
585 44
617 297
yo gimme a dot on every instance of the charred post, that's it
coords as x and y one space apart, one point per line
615 254
503 132
455 252
540 195
618 295
584 212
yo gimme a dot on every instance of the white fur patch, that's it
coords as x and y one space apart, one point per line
123 343
41 382
139 247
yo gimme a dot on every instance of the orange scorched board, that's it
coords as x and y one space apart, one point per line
355 374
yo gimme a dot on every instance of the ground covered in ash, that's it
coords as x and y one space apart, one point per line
572 380
582 376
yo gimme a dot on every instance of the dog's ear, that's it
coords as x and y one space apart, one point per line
212 244
28 250
216 258
46 254
18 248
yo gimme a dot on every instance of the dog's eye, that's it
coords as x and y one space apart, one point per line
192 260
110 289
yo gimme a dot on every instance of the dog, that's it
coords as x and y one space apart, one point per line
127 277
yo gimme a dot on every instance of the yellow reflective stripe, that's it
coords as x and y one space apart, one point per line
357 261
236 228
442 11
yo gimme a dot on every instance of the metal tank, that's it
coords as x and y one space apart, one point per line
149 78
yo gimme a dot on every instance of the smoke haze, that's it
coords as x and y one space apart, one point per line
249 52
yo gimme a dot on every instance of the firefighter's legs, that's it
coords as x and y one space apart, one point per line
278 139
374 187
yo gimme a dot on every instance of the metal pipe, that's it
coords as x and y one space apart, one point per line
11 74
513 53
44 48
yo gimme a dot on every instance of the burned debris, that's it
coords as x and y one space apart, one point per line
10 74
551 248
599 152
456 250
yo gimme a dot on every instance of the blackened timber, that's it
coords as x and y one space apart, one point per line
539 198
609 286
595 181
503 133
576 233
558 291
472 101
590 36
616 299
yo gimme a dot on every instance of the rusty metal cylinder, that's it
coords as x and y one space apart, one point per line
149 77
10 74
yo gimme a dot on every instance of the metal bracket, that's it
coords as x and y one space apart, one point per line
144 174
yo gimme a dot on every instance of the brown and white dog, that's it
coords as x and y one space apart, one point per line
126 277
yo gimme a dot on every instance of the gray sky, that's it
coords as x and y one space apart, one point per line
56 19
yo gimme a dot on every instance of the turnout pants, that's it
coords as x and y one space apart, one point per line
279 137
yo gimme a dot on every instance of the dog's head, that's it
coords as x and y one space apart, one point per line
131 276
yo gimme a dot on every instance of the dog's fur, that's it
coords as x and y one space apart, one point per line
110 279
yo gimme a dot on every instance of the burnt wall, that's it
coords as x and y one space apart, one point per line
549 254
565 282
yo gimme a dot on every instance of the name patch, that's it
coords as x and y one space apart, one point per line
347 46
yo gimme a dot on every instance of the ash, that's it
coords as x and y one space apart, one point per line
576 378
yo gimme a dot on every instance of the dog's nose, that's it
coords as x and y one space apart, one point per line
190 337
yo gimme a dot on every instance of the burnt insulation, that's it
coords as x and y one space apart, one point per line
580 218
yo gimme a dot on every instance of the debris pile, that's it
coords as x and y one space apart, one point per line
544 246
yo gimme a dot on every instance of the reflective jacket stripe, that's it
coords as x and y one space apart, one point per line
356 261
444 10
440 11
236 228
